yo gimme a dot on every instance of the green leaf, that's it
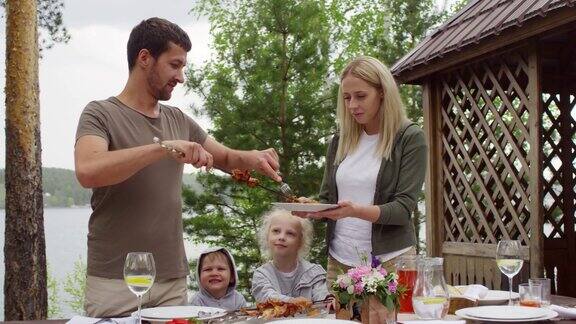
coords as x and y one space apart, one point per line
344 298
389 302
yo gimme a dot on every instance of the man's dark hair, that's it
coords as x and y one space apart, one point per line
154 34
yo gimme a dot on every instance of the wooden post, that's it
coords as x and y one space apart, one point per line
567 157
535 160
434 202
25 295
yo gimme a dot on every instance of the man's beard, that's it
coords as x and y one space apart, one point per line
158 92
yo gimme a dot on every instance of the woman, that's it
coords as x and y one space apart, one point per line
375 169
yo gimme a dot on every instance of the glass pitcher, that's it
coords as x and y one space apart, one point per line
430 298
406 269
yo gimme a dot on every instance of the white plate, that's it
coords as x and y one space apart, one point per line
313 321
506 313
493 297
167 313
304 207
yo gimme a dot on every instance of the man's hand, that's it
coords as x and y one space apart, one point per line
266 163
192 153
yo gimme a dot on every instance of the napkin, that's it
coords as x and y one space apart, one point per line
93 320
475 291
434 322
564 312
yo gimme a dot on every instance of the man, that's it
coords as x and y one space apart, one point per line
136 182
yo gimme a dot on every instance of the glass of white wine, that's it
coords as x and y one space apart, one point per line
509 261
139 274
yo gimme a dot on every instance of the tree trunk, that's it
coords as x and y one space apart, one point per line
25 295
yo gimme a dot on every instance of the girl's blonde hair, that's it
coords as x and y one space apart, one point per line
391 113
306 232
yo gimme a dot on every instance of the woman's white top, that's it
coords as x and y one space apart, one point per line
356 182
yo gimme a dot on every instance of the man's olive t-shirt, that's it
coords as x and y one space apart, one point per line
144 212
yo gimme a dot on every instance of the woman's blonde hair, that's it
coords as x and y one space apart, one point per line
391 113
306 232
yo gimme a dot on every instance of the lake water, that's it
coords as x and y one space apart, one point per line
65 231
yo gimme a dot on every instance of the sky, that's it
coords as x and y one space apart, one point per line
92 66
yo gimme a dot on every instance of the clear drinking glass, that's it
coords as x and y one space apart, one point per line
139 274
509 261
430 298
545 282
530 294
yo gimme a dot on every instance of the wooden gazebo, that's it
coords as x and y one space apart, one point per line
499 88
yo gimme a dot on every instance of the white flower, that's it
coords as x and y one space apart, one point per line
372 281
350 289
347 281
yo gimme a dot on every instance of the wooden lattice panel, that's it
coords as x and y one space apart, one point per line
559 173
558 182
554 168
485 145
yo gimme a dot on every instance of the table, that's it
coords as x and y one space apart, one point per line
557 300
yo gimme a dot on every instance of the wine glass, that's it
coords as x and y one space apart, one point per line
509 260
139 274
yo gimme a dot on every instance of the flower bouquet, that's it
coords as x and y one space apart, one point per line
374 288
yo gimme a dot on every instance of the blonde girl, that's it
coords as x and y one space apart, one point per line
285 240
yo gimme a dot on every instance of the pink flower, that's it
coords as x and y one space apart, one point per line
392 285
343 281
357 273
383 271
358 287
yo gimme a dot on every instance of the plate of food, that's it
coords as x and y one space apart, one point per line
304 207
167 313
274 308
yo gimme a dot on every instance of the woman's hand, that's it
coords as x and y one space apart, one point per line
369 213
344 209
303 200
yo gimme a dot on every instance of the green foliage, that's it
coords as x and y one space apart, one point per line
266 87
60 187
50 23
458 5
54 309
74 286
271 83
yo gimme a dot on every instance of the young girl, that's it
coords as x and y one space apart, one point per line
286 240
